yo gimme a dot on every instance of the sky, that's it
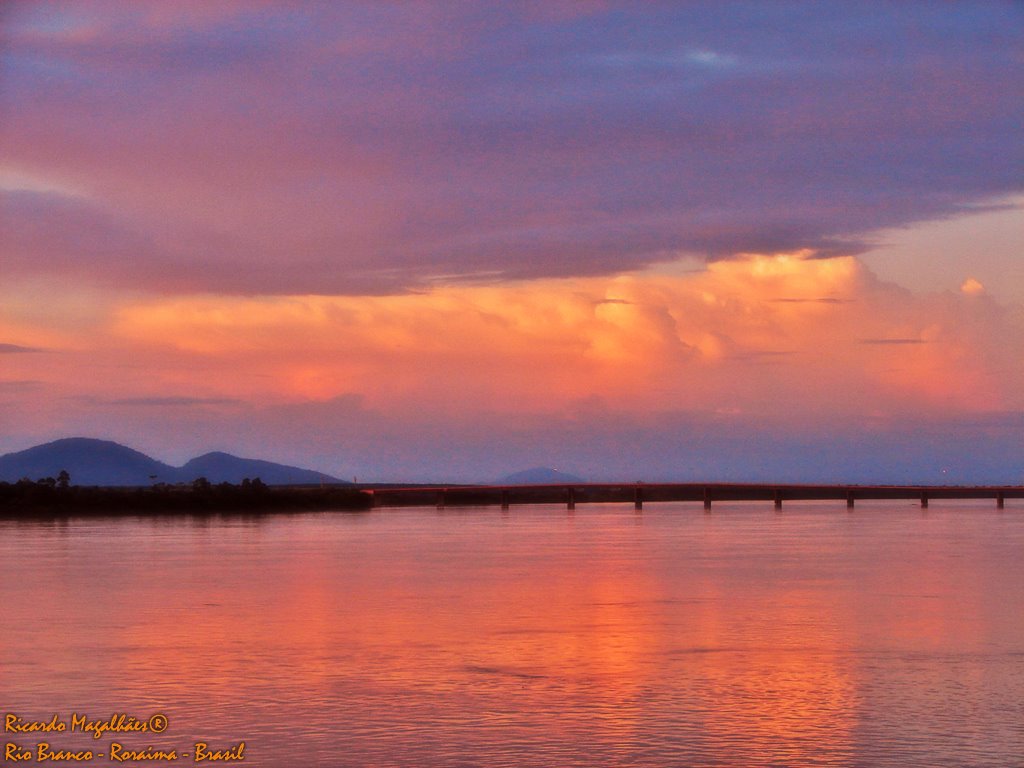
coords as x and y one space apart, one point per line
446 241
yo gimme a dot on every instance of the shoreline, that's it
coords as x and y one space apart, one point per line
27 499
35 500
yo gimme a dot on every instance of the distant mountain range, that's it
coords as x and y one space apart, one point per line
539 476
103 462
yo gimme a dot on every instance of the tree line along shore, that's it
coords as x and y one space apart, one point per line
57 496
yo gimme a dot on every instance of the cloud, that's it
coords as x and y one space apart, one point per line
646 342
67 237
712 59
174 401
827 300
18 386
885 342
16 349
346 149
649 374
972 287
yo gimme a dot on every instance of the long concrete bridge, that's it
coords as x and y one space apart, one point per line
639 494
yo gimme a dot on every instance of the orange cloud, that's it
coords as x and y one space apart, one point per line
782 333
972 287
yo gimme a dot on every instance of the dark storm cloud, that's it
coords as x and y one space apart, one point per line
372 147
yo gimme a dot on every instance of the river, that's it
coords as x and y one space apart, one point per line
883 636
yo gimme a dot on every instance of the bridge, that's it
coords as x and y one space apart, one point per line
639 494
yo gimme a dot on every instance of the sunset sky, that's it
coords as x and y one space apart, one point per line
452 240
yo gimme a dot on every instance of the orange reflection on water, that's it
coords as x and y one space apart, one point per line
520 635
740 637
769 699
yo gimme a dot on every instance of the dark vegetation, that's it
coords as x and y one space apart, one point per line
51 496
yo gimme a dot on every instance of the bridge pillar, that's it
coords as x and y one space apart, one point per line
924 500
778 498
707 498
504 499
849 499
1000 500
570 502
638 498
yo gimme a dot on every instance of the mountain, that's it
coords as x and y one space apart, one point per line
220 467
539 476
102 462
88 461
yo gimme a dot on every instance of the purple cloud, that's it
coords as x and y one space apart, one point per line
371 147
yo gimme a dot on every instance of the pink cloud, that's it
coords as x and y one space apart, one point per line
782 343
296 148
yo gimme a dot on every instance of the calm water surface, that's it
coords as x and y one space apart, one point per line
883 637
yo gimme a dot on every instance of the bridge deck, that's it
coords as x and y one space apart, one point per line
640 493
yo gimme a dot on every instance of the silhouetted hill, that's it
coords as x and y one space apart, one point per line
88 461
220 467
103 462
539 475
